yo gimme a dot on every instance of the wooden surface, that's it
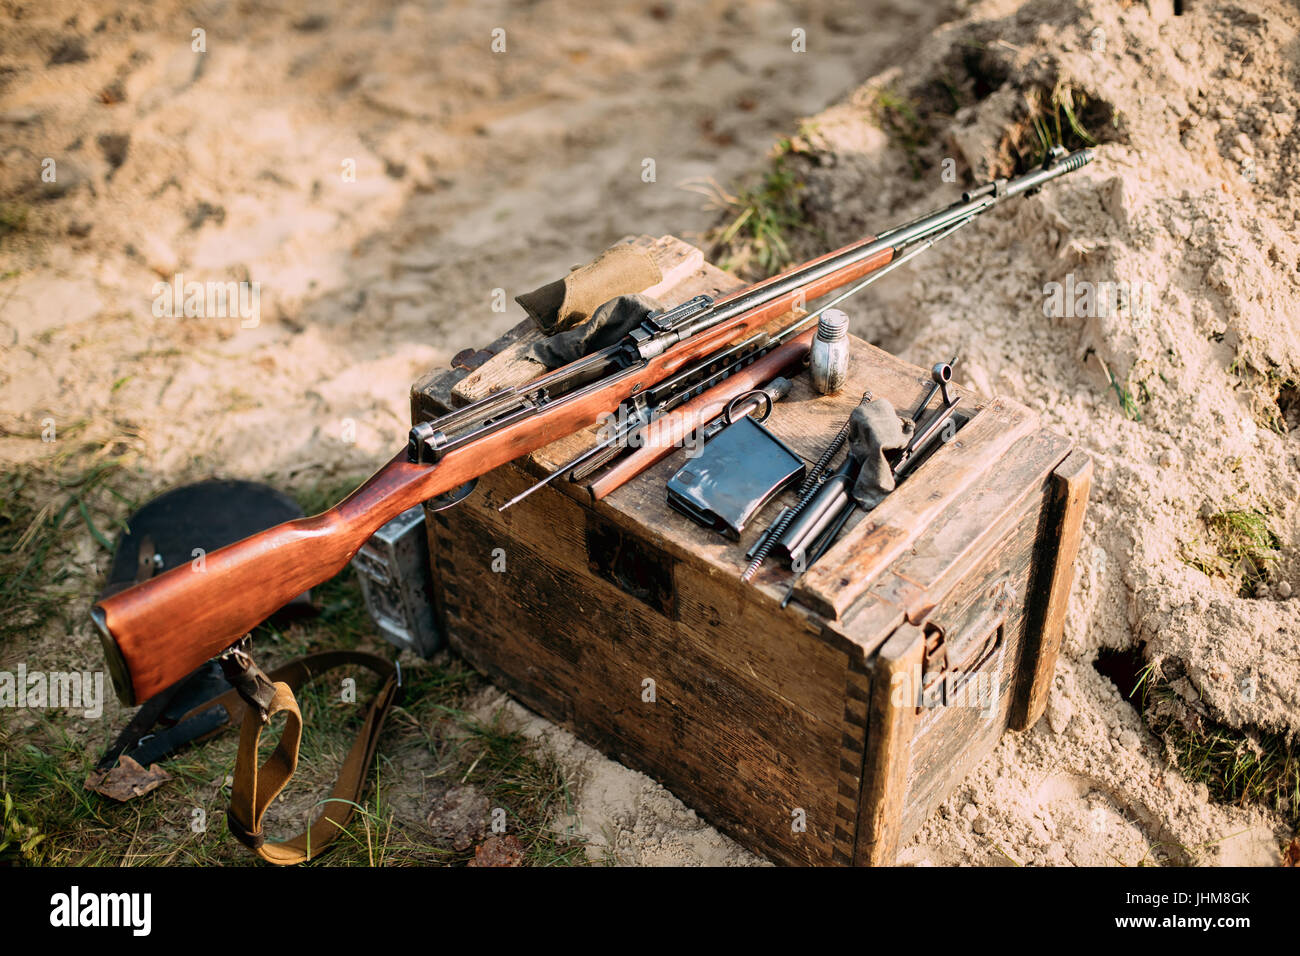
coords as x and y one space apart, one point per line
573 630
889 530
892 719
806 422
1063 519
988 535
952 739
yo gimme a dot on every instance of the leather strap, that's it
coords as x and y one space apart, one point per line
255 787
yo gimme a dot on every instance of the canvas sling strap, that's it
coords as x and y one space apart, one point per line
255 699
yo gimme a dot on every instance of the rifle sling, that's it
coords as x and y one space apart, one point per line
254 787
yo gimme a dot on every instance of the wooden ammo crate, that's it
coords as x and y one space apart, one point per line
809 734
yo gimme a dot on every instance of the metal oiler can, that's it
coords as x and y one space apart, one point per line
829 357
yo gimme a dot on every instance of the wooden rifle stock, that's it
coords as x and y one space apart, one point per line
156 632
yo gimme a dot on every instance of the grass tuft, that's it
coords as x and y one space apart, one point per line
1064 115
1241 548
43 509
1127 403
1238 767
898 117
13 218
19 840
528 783
764 215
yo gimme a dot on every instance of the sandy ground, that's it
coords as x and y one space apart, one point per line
477 171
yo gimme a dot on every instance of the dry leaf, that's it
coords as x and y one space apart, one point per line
459 816
127 780
499 851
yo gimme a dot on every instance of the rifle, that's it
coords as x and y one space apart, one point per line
160 630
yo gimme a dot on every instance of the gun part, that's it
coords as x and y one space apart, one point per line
924 434
666 432
821 546
823 507
767 541
942 375
746 404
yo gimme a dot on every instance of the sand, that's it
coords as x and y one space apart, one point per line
477 171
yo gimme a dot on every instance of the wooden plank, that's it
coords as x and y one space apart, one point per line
431 393
974 523
955 735
853 748
1071 483
867 549
786 656
720 612
514 365
892 720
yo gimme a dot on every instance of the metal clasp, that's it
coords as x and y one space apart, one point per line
247 678
949 659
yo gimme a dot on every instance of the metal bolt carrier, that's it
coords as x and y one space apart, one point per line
829 356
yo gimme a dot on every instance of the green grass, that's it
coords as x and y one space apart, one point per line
13 218
45 765
1046 121
527 783
1238 767
1063 115
763 217
44 506
19 840
1055 119
1127 403
1241 547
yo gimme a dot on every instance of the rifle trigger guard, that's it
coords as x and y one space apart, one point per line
454 497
